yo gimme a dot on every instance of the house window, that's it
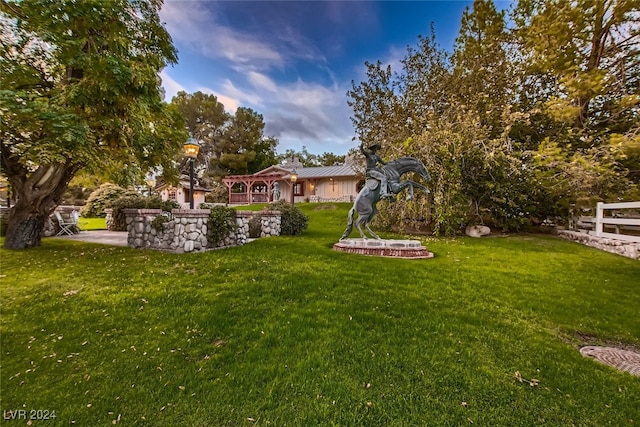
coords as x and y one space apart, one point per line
172 195
298 189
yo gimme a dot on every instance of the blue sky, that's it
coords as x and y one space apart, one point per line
293 61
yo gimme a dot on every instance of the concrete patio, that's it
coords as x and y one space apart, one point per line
113 238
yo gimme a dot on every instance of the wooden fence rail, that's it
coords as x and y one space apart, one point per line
622 221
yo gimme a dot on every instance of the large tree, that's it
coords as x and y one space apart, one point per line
237 146
483 75
79 89
229 143
206 119
584 76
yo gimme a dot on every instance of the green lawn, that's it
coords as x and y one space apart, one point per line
92 223
285 331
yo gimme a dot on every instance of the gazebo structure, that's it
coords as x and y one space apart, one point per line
323 183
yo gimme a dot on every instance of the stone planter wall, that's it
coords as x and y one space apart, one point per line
109 219
186 230
620 247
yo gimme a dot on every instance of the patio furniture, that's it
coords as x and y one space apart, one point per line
66 227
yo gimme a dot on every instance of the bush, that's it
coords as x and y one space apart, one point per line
159 222
222 221
218 194
137 202
103 197
292 221
76 195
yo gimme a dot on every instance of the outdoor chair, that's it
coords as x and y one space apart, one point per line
67 228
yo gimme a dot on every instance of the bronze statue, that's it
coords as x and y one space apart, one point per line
370 195
373 171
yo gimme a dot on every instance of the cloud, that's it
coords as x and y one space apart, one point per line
256 65
194 24
245 97
309 114
261 81
230 104
171 87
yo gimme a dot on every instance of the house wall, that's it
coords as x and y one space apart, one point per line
342 189
336 189
182 196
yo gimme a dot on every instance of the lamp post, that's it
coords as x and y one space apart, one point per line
191 149
294 178
150 183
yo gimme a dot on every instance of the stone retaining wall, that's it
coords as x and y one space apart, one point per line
111 225
186 229
318 199
620 247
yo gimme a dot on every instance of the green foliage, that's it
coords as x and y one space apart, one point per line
103 197
137 202
293 221
218 194
80 90
159 222
221 222
76 195
518 123
228 143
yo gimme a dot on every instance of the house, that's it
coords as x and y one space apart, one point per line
313 184
180 193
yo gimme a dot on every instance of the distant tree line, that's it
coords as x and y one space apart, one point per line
534 111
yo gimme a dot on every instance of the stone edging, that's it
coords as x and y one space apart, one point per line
619 247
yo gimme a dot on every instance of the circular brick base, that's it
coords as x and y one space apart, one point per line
406 249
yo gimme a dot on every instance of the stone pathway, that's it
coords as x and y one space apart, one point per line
113 238
624 360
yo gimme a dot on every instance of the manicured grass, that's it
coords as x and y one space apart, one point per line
286 331
92 224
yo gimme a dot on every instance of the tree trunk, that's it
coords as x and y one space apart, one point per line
24 229
37 194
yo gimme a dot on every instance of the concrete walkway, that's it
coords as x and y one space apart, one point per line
113 238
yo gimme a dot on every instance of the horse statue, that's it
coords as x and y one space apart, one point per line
369 196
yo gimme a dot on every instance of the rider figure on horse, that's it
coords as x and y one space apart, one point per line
373 171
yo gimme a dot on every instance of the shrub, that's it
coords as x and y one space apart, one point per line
222 221
159 222
292 221
218 194
137 202
76 195
103 197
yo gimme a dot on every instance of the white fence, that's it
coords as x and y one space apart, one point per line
622 222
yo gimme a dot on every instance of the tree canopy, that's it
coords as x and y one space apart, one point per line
80 90
526 117
229 143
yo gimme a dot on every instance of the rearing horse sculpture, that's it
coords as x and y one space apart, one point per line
369 196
